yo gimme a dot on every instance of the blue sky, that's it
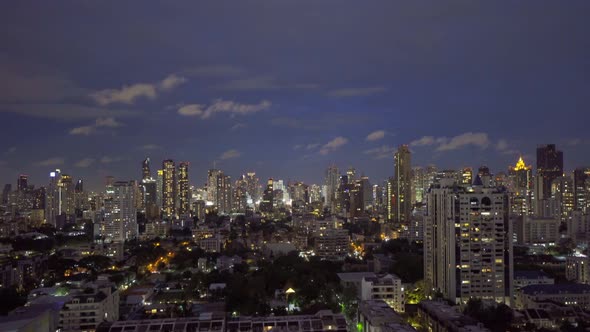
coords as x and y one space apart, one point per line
288 88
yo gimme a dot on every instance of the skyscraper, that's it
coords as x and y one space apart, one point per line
402 188
145 169
219 190
468 243
562 192
120 215
159 187
549 167
168 188
520 188
467 176
332 184
268 197
184 194
22 182
52 198
581 176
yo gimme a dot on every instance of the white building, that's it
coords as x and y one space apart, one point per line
527 278
387 288
537 230
377 316
568 294
120 215
88 308
468 243
577 269
332 244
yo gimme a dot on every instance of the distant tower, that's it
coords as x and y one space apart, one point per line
168 188
521 181
581 178
268 197
467 176
22 182
332 184
184 194
402 185
145 169
549 167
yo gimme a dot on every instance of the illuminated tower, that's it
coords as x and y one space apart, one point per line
402 185
268 197
332 184
159 187
145 169
120 217
52 198
549 167
168 188
521 188
581 177
22 182
467 176
183 189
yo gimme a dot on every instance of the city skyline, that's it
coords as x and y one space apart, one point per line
285 90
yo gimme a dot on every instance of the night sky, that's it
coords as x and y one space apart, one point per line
285 88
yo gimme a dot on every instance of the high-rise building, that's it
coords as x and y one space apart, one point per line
159 187
467 176
145 169
219 191
150 198
351 173
253 187
549 167
22 182
168 188
485 175
562 192
241 196
520 186
53 198
315 193
468 243
267 203
581 178
184 193
402 185
332 184
120 215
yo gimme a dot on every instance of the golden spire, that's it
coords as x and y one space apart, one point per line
520 165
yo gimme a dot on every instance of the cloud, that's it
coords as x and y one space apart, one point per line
230 154
376 135
83 130
480 140
109 160
502 145
12 149
171 82
65 111
214 70
424 141
356 92
312 146
55 161
109 122
84 163
223 106
382 152
333 145
238 126
128 94
150 147
261 83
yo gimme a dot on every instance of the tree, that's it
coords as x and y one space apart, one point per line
11 299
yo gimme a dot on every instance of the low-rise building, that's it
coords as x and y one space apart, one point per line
567 294
441 317
577 269
387 288
378 316
332 244
527 278
88 308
